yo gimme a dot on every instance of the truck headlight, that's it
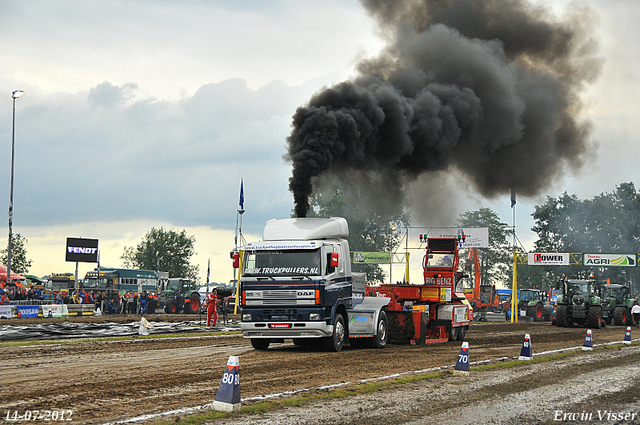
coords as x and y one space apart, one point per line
314 316
246 317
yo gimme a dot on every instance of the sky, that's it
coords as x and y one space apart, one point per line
149 113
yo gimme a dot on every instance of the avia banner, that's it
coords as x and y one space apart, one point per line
609 260
371 258
548 259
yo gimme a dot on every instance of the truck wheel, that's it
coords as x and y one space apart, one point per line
193 306
170 306
453 334
619 316
260 343
561 316
336 341
629 317
380 340
538 314
462 332
195 302
594 316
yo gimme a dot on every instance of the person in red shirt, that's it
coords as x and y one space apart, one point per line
212 299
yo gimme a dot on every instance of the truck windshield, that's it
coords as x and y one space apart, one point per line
578 288
440 260
282 263
57 285
613 293
94 282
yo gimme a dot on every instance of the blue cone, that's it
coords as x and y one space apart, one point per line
526 353
627 336
462 365
588 342
228 395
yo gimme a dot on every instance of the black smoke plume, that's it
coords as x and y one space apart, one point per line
490 88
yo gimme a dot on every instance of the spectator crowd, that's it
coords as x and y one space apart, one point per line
109 302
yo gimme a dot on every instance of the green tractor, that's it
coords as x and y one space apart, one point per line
533 303
191 298
617 301
580 304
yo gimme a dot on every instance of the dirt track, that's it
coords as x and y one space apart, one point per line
110 381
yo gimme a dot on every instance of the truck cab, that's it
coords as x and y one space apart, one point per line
297 283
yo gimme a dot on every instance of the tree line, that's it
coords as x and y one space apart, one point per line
606 223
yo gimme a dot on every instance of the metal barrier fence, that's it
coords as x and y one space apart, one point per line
31 302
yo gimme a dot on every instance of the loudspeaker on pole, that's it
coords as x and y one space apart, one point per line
526 353
627 336
462 365
588 342
228 395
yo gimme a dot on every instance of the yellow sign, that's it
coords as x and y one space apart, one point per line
430 293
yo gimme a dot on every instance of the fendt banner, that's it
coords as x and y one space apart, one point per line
80 250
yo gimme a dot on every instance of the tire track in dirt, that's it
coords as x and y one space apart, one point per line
104 382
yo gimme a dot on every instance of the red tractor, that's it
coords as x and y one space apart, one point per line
434 311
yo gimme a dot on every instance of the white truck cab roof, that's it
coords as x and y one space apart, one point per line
305 229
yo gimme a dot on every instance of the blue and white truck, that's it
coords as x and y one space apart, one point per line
297 284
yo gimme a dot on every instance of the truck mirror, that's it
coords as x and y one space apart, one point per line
236 260
330 263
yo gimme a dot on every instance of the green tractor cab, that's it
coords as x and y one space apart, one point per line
580 304
534 304
617 302
191 297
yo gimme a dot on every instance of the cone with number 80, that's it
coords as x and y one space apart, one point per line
228 395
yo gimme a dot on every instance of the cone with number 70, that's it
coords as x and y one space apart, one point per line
228 395
462 365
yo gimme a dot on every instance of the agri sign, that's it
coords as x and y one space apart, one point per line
615 260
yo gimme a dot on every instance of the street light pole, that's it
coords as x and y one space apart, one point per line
16 94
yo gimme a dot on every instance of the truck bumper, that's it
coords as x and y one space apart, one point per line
286 329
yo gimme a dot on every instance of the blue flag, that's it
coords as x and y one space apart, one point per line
241 194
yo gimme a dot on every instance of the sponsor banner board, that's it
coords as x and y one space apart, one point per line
5 312
26 311
82 250
548 259
55 310
474 237
371 258
609 260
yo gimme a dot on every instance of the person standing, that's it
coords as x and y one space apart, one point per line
125 303
99 304
143 302
212 308
179 301
133 301
636 314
